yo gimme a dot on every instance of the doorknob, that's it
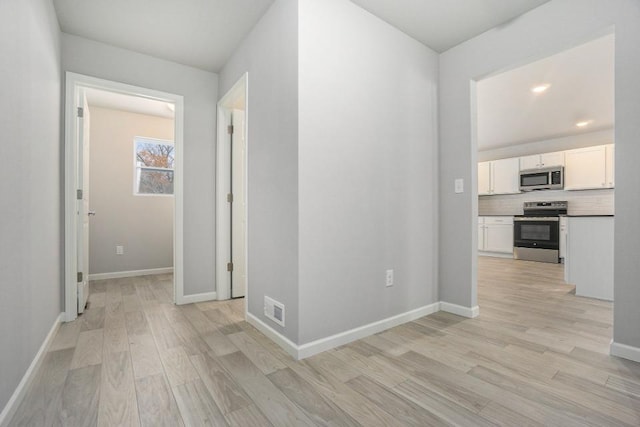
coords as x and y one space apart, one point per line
91 213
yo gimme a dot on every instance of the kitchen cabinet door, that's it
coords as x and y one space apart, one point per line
544 160
610 165
480 233
548 160
530 162
563 236
499 238
505 175
484 178
585 168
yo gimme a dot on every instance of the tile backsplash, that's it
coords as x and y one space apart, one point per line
585 202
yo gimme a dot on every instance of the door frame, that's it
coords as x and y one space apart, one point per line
74 82
223 229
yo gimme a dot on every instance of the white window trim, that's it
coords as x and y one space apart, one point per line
136 175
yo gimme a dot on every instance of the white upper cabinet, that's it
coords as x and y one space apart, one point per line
545 160
499 177
484 178
610 165
552 159
530 162
505 176
585 168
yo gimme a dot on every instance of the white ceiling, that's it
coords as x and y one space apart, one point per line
199 33
582 88
204 33
442 24
133 104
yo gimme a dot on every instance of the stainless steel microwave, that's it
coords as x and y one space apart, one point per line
542 179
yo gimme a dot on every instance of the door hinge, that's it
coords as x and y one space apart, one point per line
230 129
80 112
79 276
229 266
230 197
79 194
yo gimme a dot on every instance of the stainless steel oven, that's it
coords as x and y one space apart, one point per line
536 234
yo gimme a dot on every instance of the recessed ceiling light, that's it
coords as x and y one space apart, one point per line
540 88
584 123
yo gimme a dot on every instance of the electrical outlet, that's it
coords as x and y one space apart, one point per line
389 278
119 250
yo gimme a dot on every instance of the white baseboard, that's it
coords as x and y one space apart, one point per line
18 395
132 273
190 299
495 254
275 336
625 351
324 344
469 312
303 351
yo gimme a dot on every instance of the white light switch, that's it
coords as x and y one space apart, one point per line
459 185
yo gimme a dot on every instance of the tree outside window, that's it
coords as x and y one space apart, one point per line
154 163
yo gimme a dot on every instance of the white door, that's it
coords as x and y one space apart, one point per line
585 168
610 165
530 162
548 160
484 178
83 202
505 175
238 213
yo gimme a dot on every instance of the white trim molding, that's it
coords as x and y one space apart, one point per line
205 296
21 390
303 351
74 83
495 254
460 310
625 351
223 184
132 273
287 345
324 344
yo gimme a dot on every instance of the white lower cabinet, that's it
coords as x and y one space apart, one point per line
495 235
563 236
589 257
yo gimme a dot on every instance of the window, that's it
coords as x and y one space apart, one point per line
154 160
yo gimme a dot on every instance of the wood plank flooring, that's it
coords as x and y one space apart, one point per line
536 355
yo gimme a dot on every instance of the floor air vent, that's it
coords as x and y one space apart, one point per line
274 310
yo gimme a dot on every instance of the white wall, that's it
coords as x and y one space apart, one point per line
270 55
142 224
548 29
199 89
367 169
31 185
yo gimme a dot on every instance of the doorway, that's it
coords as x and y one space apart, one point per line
547 126
231 199
77 165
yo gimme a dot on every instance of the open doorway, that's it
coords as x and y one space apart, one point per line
545 176
231 199
123 180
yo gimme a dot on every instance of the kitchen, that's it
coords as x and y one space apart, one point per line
546 169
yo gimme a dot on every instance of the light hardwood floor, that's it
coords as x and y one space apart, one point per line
536 355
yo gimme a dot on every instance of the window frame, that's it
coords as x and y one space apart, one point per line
156 141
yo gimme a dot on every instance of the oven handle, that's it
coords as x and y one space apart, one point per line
538 218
